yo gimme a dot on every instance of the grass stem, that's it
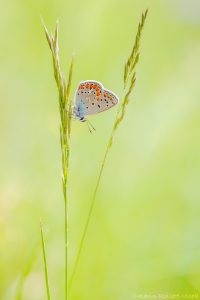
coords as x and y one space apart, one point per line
45 262
129 77
88 220
65 108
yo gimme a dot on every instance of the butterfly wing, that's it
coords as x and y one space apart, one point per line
94 97
106 101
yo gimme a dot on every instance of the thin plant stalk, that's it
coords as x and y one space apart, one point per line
45 262
65 108
25 273
129 83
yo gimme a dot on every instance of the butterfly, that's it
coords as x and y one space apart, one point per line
92 98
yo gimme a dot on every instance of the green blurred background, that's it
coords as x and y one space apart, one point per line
143 238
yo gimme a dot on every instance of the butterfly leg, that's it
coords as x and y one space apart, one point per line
90 126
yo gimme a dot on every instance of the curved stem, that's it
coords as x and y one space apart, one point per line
88 218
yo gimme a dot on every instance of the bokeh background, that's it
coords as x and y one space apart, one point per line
143 237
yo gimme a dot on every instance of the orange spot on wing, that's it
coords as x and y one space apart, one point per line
105 94
87 85
91 85
95 86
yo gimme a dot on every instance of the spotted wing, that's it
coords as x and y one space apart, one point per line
95 99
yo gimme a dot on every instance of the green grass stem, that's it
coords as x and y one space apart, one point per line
45 262
65 108
129 83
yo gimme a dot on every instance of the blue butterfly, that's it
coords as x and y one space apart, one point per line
91 98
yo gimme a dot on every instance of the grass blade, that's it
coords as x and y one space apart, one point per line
45 262
25 274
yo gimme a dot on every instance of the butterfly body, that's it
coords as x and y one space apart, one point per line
91 98
79 112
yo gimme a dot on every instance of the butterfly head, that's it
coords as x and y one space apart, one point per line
82 119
